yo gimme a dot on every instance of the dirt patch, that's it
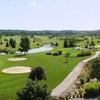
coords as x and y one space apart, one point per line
17 70
16 59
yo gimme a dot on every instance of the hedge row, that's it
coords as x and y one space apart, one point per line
84 53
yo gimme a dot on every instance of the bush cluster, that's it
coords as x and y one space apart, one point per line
48 53
84 53
55 53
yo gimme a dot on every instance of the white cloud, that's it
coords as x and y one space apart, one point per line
33 3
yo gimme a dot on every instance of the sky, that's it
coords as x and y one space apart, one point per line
50 14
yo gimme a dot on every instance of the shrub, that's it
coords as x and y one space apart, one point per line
84 53
52 43
56 54
60 52
48 53
56 44
95 68
38 44
92 89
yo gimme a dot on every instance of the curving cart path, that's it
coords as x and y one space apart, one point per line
71 78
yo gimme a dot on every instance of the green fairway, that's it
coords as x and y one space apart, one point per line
55 67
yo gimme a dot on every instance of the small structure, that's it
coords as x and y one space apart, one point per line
78 47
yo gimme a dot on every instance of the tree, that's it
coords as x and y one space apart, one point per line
12 43
71 44
7 45
65 43
92 43
34 91
67 55
56 44
24 44
37 74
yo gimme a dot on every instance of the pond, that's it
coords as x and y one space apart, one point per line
45 47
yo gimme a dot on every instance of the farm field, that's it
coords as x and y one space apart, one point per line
55 67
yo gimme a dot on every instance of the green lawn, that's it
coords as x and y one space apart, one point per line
54 66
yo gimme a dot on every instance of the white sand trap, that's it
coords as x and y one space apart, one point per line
16 59
17 70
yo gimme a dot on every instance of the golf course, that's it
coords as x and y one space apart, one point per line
56 68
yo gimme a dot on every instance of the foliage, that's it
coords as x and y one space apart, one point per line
71 43
95 65
92 89
37 74
7 45
56 44
34 91
84 76
84 53
65 45
24 44
55 54
92 43
48 53
67 55
60 52
12 43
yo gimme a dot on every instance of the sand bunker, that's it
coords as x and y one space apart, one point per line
16 59
17 70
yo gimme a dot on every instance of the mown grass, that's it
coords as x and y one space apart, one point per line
55 67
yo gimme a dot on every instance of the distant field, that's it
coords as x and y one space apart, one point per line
55 67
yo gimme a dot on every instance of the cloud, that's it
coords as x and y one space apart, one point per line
32 3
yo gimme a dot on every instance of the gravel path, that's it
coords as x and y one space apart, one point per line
71 78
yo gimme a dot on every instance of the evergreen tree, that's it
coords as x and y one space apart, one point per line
56 44
7 45
65 43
